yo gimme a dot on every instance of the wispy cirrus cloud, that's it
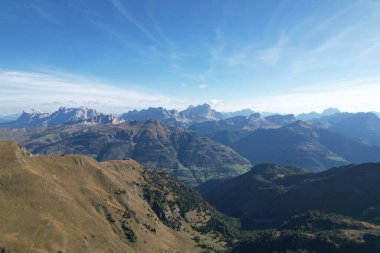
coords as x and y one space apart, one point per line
46 91
317 42
123 11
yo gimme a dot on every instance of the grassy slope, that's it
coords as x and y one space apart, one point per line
75 204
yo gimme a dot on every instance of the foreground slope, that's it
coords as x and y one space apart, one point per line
189 157
75 204
290 210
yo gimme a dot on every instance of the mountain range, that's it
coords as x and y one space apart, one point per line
302 144
227 131
75 204
8 118
314 115
362 126
332 139
34 118
189 157
193 114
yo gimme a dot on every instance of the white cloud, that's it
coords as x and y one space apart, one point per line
47 91
203 86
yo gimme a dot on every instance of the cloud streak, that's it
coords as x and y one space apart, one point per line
123 11
46 91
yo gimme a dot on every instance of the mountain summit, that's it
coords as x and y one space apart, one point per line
33 118
191 115
201 113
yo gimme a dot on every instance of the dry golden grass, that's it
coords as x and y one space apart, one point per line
59 204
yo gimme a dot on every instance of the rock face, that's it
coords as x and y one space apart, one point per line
189 157
200 113
33 118
75 204
193 114
170 117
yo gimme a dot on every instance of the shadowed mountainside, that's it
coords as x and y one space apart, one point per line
269 194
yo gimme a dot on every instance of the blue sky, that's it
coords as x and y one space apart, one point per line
115 55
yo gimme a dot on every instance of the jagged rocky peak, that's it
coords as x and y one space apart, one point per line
29 115
33 118
330 111
199 109
155 113
193 114
75 114
104 119
69 115
201 113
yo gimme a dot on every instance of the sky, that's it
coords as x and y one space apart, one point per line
286 56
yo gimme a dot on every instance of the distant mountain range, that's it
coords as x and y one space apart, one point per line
189 157
302 144
193 114
362 126
228 131
331 139
8 118
34 118
315 115
244 112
